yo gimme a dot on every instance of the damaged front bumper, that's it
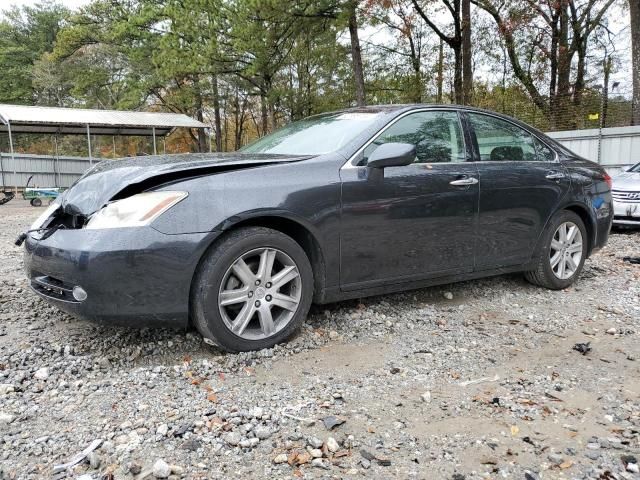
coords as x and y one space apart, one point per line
129 276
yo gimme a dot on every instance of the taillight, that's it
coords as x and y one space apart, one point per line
607 178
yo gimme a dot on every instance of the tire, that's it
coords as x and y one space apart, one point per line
221 275
36 202
563 274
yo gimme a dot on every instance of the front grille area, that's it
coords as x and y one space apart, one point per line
53 288
627 197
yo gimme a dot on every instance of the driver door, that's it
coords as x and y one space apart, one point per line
410 222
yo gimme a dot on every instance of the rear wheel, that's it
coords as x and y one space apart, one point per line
36 202
252 289
563 252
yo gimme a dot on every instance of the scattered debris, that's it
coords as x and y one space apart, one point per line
633 260
495 378
583 348
78 458
333 421
630 463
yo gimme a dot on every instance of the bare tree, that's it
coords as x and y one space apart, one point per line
356 54
467 69
566 28
634 7
454 41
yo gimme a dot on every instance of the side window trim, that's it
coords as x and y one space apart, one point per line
351 163
476 148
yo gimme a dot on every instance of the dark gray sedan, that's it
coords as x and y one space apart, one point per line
341 205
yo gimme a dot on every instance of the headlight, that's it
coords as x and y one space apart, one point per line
135 211
45 215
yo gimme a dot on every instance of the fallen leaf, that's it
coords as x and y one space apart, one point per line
212 397
566 464
514 430
302 458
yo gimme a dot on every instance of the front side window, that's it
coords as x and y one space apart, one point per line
501 141
436 135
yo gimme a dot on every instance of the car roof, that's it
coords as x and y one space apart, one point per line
405 107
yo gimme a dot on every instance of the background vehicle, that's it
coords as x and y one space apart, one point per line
341 205
36 195
626 197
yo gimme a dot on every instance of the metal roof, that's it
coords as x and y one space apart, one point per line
26 119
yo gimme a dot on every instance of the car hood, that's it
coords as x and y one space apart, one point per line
627 181
114 179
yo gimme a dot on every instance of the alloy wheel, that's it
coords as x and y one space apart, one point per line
260 293
565 253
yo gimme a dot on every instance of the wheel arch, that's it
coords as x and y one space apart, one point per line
295 229
580 210
589 222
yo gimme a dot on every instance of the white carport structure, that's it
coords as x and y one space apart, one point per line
74 121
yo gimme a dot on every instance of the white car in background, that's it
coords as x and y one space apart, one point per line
626 197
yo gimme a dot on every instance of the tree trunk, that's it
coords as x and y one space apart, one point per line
457 74
467 72
202 134
578 87
634 7
440 72
236 120
356 55
216 115
561 114
264 111
606 65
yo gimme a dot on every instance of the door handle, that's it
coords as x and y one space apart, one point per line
554 175
464 181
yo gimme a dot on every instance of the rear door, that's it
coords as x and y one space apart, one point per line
521 186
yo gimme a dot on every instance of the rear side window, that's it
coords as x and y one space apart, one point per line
501 141
436 135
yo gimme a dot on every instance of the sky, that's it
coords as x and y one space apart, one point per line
67 3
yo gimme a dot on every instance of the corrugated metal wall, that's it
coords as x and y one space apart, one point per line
47 171
619 147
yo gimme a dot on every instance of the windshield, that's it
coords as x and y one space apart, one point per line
315 135
635 168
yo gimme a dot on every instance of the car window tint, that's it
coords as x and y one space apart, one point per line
436 135
499 140
545 154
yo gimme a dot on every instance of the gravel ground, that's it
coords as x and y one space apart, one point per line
473 380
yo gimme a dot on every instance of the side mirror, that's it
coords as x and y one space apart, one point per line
392 155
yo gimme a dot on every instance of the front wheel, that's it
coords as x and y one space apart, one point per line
563 252
252 289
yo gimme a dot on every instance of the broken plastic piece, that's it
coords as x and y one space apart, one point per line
495 378
583 348
78 458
